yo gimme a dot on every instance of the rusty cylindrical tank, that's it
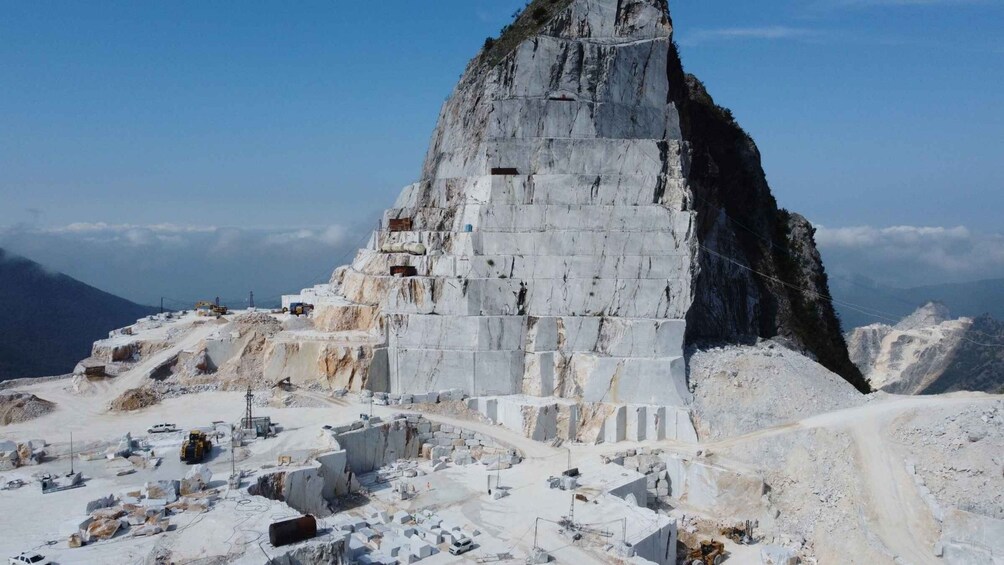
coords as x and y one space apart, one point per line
292 531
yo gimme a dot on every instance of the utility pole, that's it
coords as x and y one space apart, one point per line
571 512
248 424
251 300
71 453
233 462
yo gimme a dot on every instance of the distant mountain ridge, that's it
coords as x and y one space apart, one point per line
928 352
969 299
48 321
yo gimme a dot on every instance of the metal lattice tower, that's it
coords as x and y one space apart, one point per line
248 422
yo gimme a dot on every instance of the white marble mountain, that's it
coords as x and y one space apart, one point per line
929 352
548 248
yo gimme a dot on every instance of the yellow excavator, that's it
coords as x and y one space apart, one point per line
299 309
196 447
204 308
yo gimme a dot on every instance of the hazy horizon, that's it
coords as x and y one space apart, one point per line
190 150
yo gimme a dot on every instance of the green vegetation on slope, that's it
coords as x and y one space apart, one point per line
526 23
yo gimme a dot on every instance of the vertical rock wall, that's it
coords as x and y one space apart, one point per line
759 274
550 241
575 226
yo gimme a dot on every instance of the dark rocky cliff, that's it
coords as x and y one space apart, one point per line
760 272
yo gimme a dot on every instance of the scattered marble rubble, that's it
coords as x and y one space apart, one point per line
145 511
955 460
698 482
399 399
373 445
16 407
21 454
400 537
650 463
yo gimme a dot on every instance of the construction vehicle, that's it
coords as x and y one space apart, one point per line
196 447
300 309
709 553
204 308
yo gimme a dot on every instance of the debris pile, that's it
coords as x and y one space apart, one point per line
14 454
145 511
134 399
260 322
16 407
400 537
742 389
958 455
433 397
247 337
442 442
650 463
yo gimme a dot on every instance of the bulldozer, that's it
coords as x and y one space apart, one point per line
709 553
300 309
196 447
204 308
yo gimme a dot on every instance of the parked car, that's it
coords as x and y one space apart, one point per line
29 559
161 428
461 546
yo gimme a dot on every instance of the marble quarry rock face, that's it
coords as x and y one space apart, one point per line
928 352
553 246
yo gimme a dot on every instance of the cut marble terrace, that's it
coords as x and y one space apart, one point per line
548 250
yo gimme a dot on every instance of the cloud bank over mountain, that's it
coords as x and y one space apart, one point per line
907 256
186 262
143 262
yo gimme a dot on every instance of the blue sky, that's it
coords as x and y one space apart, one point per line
180 131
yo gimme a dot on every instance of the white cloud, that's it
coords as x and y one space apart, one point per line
221 238
913 255
774 32
822 6
866 3
869 236
101 227
144 262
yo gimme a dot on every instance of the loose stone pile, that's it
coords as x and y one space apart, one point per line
650 463
20 407
400 537
23 454
146 511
